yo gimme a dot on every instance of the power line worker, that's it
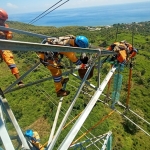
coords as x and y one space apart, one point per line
125 51
34 138
7 55
50 59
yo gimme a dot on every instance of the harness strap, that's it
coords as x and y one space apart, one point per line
1 58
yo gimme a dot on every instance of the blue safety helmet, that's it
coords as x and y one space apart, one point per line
29 133
82 41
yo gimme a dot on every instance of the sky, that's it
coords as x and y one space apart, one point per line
24 6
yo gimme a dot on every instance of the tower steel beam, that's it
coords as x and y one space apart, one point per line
30 84
29 46
5 137
10 114
22 77
24 32
78 124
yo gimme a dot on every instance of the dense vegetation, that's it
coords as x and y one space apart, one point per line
35 106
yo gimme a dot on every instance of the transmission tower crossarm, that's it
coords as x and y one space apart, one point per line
29 46
73 132
24 32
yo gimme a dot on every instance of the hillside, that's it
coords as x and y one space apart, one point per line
36 105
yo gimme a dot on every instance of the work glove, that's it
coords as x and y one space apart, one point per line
82 66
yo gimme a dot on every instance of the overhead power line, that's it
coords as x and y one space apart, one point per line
42 15
44 12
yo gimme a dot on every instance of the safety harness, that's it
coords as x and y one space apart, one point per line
49 55
1 57
57 57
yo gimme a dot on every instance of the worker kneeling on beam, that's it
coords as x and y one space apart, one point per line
125 51
52 61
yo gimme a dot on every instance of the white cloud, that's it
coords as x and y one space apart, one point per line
89 3
12 5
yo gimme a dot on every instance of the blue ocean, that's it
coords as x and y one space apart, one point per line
89 16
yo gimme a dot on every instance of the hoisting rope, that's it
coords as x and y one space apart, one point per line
72 120
129 84
105 117
130 77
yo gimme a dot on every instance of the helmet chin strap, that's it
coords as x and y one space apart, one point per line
2 22
72 42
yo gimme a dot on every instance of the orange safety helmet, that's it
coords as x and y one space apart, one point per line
3 14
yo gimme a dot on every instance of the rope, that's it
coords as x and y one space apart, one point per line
129 86
130 75
72 120
93 127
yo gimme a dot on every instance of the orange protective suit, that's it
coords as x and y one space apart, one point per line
7 55
125 51
53 64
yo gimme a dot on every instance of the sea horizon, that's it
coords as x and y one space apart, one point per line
89 16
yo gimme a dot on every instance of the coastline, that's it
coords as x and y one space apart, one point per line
91 16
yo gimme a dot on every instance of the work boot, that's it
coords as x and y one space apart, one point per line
65 80
20 84
62 93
